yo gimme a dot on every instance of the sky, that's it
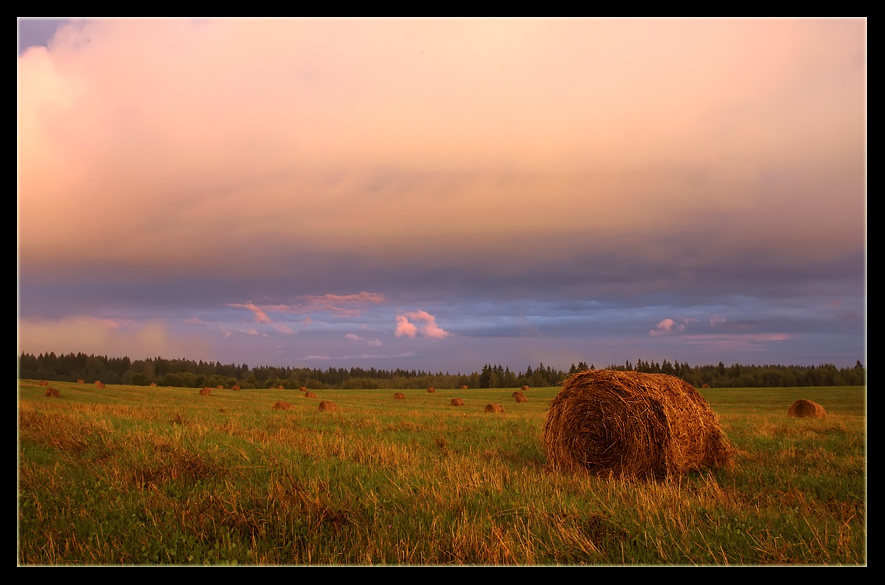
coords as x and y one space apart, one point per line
441 194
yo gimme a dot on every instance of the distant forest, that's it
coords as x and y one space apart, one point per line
196 374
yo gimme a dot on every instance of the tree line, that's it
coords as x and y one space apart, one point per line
195 374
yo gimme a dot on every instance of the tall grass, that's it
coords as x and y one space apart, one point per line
144 476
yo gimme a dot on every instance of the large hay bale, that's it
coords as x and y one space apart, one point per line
399 395
310 395
494 408
806 409
633 425
520 397
205 391
282 405
457 402
52 392
326 406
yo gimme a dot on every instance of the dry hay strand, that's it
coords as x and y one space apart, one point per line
205 391
399 396
431 390
282 405
806 409
631 424
52 392
310 395
457 402
326 406
494 408
520 397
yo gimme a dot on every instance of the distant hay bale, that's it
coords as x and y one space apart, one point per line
280 387
705 386
220 387
520 397
235 387
457 402
525 388
399 395
632 424
494 408
806 409
310 395
81 381
153 384
52 392
282 405
44 383
99 384
326 406
303 389
205 391
431 390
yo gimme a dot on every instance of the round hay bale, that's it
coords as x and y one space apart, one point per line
464 387
310 395
806 409
457 402
525 388
44 383
282 405
303 389
99 384
52 392
431 390
235 387
632 424
494 408
520 397
220 387
205 391
399 396
81 381
153 384
326 406
705 386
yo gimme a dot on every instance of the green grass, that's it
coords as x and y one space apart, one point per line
142 476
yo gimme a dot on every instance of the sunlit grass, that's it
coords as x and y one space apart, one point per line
137 475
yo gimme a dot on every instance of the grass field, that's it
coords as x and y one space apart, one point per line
132 475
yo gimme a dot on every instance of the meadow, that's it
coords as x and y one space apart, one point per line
135 475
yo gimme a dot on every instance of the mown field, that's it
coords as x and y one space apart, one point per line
133 475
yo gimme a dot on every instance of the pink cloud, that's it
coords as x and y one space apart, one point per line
260 315
666 326
409 329
404 327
